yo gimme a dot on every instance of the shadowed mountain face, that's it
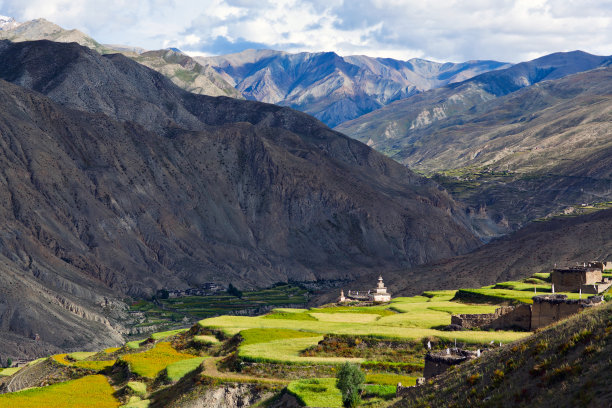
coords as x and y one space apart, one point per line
534 151
332 88
118 182
537 247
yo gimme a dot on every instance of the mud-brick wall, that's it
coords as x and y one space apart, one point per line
545 313
518 317
470 321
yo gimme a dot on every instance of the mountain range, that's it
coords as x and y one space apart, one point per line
522 143
330 87
333 88
116 182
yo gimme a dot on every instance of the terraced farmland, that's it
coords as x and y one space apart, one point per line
300 349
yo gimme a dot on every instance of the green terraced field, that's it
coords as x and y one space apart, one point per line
178 370
173 310
317 392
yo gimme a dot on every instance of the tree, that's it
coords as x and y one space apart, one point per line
349 381
9 362
232 290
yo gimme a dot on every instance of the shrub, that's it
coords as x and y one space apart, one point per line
498 376
474 378
232 290
349 381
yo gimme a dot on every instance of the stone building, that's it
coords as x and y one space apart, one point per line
378 294
438 362
547 309
587 279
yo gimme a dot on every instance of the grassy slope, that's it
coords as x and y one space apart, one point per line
566 365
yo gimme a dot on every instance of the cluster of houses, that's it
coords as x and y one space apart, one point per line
205 289
546 309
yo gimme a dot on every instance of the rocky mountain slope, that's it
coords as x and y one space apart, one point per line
532 152
393 129
332 88
180 68
565 365
116 182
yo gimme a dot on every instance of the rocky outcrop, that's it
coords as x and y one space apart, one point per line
229 396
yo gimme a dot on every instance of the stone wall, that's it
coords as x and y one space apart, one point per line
504 318
512 317
596 288
471 321
437 363
402 391
572 279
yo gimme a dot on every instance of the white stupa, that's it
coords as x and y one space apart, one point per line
379 293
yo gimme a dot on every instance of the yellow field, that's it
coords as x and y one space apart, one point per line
94 365
86 392
204 339
151 362
9 371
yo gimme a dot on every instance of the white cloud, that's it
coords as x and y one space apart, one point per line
453 30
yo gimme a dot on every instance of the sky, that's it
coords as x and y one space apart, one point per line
449 30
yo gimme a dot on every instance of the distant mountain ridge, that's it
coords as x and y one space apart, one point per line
180 68
519 143
393 128
332 88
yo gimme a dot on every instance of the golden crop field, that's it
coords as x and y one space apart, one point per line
86 392
149 363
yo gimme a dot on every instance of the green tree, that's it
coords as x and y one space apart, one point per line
349 381
9 362
232 290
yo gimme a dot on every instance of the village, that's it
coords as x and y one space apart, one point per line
587 280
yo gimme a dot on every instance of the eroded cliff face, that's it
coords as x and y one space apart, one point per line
119 183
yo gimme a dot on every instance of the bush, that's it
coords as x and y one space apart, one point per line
498 376
349 381
473 379
232 290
